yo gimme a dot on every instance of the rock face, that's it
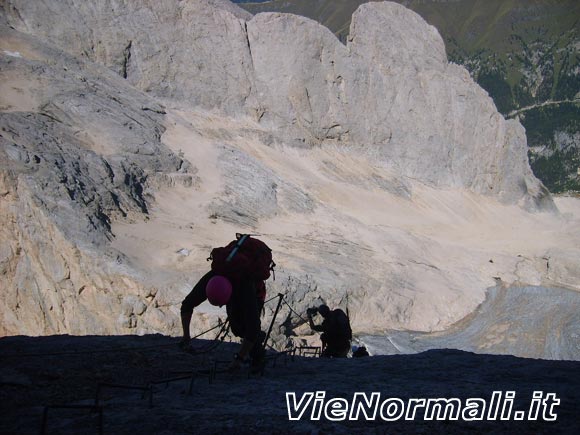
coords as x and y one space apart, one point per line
390 91
84 152
195 51
136 136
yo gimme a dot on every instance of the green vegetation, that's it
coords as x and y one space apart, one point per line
558 170
542 122
499 89
557 163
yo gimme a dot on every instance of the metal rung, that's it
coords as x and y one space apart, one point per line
309 351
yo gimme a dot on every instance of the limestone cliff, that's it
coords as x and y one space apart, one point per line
80 148
389 92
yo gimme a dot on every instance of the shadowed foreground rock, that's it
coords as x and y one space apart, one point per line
31 378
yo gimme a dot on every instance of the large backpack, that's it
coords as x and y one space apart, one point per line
245 257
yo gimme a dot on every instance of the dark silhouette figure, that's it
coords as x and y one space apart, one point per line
236 281
336 331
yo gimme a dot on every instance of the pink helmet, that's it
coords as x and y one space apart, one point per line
218 290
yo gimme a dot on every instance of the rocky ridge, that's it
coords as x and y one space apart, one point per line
84 152
525 55
390 91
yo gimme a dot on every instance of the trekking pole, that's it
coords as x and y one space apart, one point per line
281 298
